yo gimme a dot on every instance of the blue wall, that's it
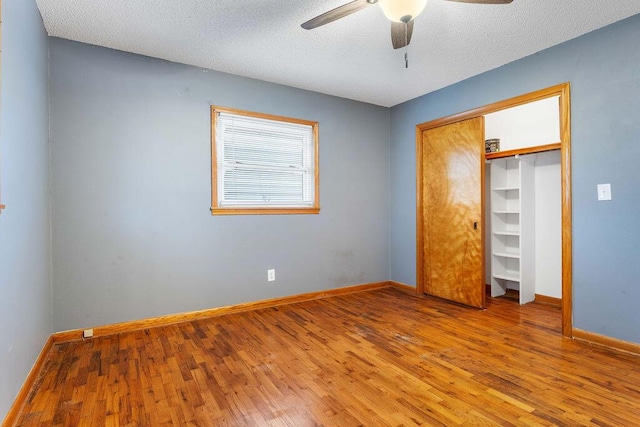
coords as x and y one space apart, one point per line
132 233
25 303
603 68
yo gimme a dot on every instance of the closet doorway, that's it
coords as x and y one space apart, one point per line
507 236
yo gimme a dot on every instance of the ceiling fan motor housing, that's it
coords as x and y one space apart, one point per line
402 10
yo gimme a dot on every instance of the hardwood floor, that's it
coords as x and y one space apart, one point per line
379 358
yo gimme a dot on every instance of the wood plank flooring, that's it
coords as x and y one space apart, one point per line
379 358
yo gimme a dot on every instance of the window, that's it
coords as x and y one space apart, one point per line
263 164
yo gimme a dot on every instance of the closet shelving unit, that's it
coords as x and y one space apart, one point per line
512 226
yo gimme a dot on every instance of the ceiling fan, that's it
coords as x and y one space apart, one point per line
401 13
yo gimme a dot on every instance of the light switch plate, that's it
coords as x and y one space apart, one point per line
604 192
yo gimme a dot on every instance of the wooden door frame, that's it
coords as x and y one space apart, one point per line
564 92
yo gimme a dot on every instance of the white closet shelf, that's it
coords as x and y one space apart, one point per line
506 233
512 276
507 254
506 189
506 212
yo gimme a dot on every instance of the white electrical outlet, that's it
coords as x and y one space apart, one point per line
87 333
271 275
604 192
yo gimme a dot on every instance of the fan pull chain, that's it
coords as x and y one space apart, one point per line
406 45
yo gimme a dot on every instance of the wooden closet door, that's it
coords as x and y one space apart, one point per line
453 212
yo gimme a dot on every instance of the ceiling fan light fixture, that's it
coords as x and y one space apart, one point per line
402 10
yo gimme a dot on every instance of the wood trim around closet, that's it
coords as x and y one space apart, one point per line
563 92
567 233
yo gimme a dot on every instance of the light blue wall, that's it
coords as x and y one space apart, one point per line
603 68
25 303
132 232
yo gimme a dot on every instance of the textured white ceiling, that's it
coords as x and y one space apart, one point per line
350 58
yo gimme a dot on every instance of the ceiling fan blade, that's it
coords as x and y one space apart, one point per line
397 34
484 1
337 13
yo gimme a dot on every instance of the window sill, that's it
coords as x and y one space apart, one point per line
265 211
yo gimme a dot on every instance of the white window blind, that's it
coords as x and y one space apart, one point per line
263 162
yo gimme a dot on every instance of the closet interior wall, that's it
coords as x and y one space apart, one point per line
532 125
